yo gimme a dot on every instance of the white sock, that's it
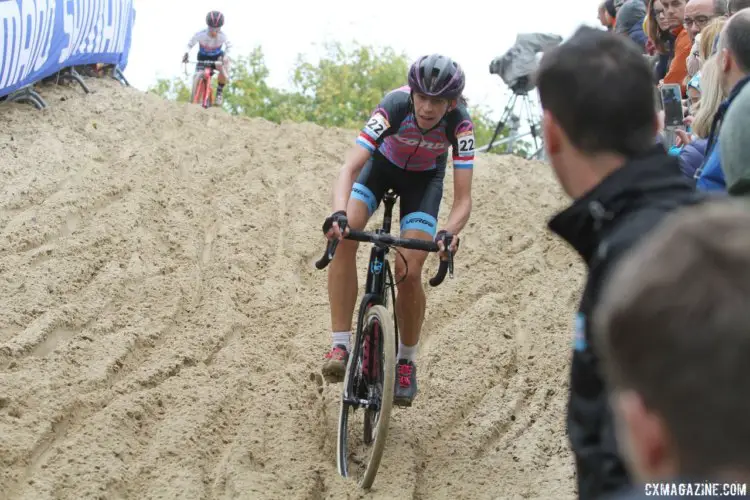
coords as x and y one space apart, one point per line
406 352
341 338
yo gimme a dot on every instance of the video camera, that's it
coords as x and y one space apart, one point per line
518 64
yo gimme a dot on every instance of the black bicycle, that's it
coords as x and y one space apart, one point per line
370 371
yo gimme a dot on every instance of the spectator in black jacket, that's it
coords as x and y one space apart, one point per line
600 124
672 330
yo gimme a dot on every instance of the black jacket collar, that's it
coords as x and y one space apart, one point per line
640 179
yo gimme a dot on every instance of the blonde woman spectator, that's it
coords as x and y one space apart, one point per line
692 146
708 38
711 97
694 60
704 45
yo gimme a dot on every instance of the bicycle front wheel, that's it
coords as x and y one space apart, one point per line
199 90
370 375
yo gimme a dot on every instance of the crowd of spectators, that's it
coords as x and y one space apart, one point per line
659 214
686 43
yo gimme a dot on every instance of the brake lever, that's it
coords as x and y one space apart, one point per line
447 241
332 248
335 243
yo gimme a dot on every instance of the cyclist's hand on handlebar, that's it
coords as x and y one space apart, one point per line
440 240
332 227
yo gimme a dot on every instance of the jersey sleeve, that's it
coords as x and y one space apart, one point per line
227 44
194 39
463 142
383 121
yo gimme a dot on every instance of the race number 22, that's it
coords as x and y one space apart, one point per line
466 144
377 124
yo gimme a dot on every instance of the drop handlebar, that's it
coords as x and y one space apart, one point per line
383 239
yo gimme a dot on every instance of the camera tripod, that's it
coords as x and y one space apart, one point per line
526 107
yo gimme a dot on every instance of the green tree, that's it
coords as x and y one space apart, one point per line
341 89
345 86
176 89
248 93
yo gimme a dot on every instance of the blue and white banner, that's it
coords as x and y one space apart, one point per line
38 38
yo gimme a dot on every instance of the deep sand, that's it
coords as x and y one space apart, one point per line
161 320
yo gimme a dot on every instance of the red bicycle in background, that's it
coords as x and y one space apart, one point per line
202 89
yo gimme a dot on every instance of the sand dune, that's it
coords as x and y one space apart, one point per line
161 320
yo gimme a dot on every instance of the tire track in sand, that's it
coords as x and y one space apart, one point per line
208 317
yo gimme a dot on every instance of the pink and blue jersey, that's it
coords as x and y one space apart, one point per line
392 130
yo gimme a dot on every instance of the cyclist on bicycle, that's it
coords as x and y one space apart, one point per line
403 146
210 42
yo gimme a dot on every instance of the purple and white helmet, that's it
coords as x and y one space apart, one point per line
437 76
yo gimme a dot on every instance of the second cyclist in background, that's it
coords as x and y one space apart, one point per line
213 45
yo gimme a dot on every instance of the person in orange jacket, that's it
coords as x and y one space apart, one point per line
677 73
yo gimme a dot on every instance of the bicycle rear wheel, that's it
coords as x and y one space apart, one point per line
369 378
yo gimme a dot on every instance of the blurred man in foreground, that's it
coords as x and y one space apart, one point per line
599 127
672 330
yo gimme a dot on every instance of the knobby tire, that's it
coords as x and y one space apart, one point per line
198 97
386 350
201 93
208 98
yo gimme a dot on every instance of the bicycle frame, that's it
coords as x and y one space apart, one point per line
375 283
378 271
206 97
208 92
366 385
206 76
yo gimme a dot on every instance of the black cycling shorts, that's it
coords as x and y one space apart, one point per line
205 57
420 192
